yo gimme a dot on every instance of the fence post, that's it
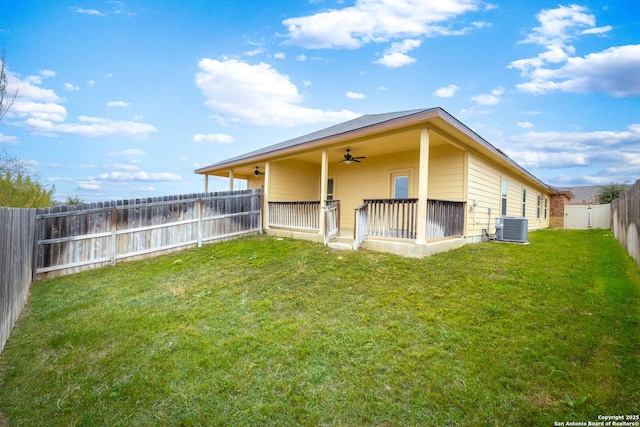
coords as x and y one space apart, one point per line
199 208
114 235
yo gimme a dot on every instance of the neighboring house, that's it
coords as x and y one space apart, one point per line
584 195
411 182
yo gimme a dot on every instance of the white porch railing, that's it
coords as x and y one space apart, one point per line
361 222
332 220
398 218
297 215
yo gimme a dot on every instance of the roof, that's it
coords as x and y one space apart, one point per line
583 195
341 128
361 124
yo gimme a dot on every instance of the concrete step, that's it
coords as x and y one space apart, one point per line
340 246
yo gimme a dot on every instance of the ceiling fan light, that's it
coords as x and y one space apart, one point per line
347 162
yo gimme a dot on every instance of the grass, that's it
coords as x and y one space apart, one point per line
261 331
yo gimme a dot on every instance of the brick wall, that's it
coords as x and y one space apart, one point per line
556 216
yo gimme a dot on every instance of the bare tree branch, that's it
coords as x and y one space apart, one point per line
6 99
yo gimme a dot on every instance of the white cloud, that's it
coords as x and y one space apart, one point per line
301 58
396 56
93 12
144 188
446 92
376 20
123 166
254 52
612 71
91 127
29 91
140 176
129 152
594 151
257 94
70 87
279 55
526 125
213 138
7 139
44 111
43 114
492 98
47 73
355 95
118 104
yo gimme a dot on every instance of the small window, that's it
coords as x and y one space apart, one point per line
400 186
539 207
524 202
330 188
503 211
546 201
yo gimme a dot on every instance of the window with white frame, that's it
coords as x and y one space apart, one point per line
524 202
539 206
503 210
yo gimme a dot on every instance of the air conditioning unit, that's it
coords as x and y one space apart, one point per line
512 229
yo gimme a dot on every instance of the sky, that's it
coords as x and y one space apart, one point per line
125 99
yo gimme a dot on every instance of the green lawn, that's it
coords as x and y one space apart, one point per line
261 331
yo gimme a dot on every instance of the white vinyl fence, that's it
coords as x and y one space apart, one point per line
583 217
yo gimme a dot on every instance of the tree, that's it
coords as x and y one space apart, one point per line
20 187
22 192
608 193
6 98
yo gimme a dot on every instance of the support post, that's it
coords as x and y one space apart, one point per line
423 186
266 195
324 175
206 183
230 179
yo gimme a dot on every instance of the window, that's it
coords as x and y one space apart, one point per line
539 207
546 201
400 183
503 211
400 186
330 188
524 203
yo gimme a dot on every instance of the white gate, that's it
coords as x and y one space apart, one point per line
583 217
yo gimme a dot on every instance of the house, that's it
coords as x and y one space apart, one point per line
410 182
584 195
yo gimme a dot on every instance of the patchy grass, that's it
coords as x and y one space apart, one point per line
260 331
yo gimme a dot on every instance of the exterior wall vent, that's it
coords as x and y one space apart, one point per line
512 229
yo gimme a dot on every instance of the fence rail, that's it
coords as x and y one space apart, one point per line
76 238
16 262
625 220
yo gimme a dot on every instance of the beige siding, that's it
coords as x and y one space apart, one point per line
446 173
293 180
485 186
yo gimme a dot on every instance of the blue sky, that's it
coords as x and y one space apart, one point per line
124 99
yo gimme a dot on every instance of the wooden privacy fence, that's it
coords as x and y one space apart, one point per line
76 238
16 263
625 220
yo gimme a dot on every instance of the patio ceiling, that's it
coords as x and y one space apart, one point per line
393 142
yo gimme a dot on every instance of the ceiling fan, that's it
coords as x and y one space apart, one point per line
348 158
257 171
